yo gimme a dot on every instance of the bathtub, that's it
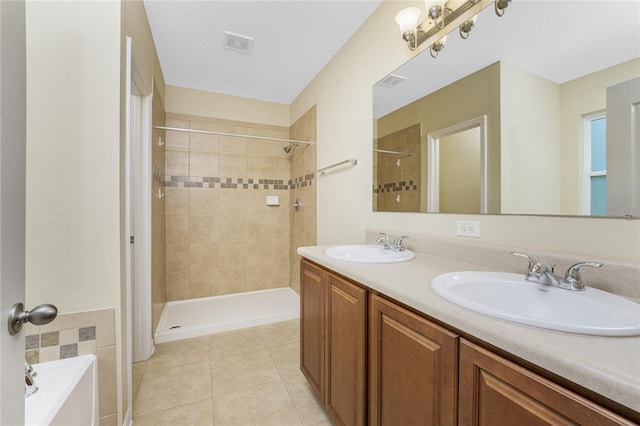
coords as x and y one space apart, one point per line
67 393
183 319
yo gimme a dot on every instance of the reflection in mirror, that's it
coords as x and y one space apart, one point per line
457 168
556 98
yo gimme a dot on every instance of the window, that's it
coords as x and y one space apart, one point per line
595 165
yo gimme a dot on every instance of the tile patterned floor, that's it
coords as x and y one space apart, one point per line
239 378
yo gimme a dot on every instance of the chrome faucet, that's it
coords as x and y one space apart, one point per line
544 274
29 384
28 368
389 244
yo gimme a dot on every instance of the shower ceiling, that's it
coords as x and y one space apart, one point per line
293 41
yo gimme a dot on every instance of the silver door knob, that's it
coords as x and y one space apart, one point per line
40 315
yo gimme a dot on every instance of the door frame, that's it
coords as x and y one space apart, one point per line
433 161
137 219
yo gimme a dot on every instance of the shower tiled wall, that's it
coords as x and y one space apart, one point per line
396 182
158 234
221 236
303 173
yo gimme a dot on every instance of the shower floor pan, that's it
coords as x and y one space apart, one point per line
183 319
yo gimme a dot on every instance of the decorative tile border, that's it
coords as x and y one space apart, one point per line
303 181
395 187
237 183
61 344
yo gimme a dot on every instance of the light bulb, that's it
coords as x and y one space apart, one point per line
407 20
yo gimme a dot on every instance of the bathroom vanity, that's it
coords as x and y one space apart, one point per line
379 347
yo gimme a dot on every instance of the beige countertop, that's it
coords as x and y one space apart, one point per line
609 366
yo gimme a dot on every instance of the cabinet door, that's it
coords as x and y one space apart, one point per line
494 391
346 351
412 368
312 305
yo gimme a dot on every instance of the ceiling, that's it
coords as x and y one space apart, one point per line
293 41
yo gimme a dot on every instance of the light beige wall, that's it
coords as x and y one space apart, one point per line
342 92
530 149
158 223
73 154
181 100
579 98
303 177
143 51
74 210
460 172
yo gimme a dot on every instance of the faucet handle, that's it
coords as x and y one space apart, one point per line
573 277
400 242
535 269
532 261
383 237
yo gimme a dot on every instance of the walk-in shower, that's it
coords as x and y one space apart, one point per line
183 319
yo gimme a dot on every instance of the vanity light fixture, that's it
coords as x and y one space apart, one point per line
467 26
407 20
436 47
440 13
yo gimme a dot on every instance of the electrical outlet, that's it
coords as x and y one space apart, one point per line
467 228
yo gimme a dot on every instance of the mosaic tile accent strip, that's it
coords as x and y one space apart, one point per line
303 181
238 183
61 344
396 187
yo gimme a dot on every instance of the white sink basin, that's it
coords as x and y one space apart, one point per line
512 298
368 254
67 393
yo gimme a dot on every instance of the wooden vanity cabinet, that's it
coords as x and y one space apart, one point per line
333 358
412 368
418 372
346 356
495 391
312 325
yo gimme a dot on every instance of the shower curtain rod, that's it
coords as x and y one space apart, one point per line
210 132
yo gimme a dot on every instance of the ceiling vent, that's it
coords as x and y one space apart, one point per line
391 80
238 43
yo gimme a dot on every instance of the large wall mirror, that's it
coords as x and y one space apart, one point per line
537 112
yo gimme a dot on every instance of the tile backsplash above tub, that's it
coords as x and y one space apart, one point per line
75 334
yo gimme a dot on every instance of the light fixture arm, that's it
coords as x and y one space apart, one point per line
500 6
466 27
437 47
434 13
411 38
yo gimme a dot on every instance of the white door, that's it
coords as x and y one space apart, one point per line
12 204
623 149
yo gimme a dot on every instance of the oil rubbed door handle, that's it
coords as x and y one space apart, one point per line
40 315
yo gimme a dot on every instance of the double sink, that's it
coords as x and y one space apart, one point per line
511 297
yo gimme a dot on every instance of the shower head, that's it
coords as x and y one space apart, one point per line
288 148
